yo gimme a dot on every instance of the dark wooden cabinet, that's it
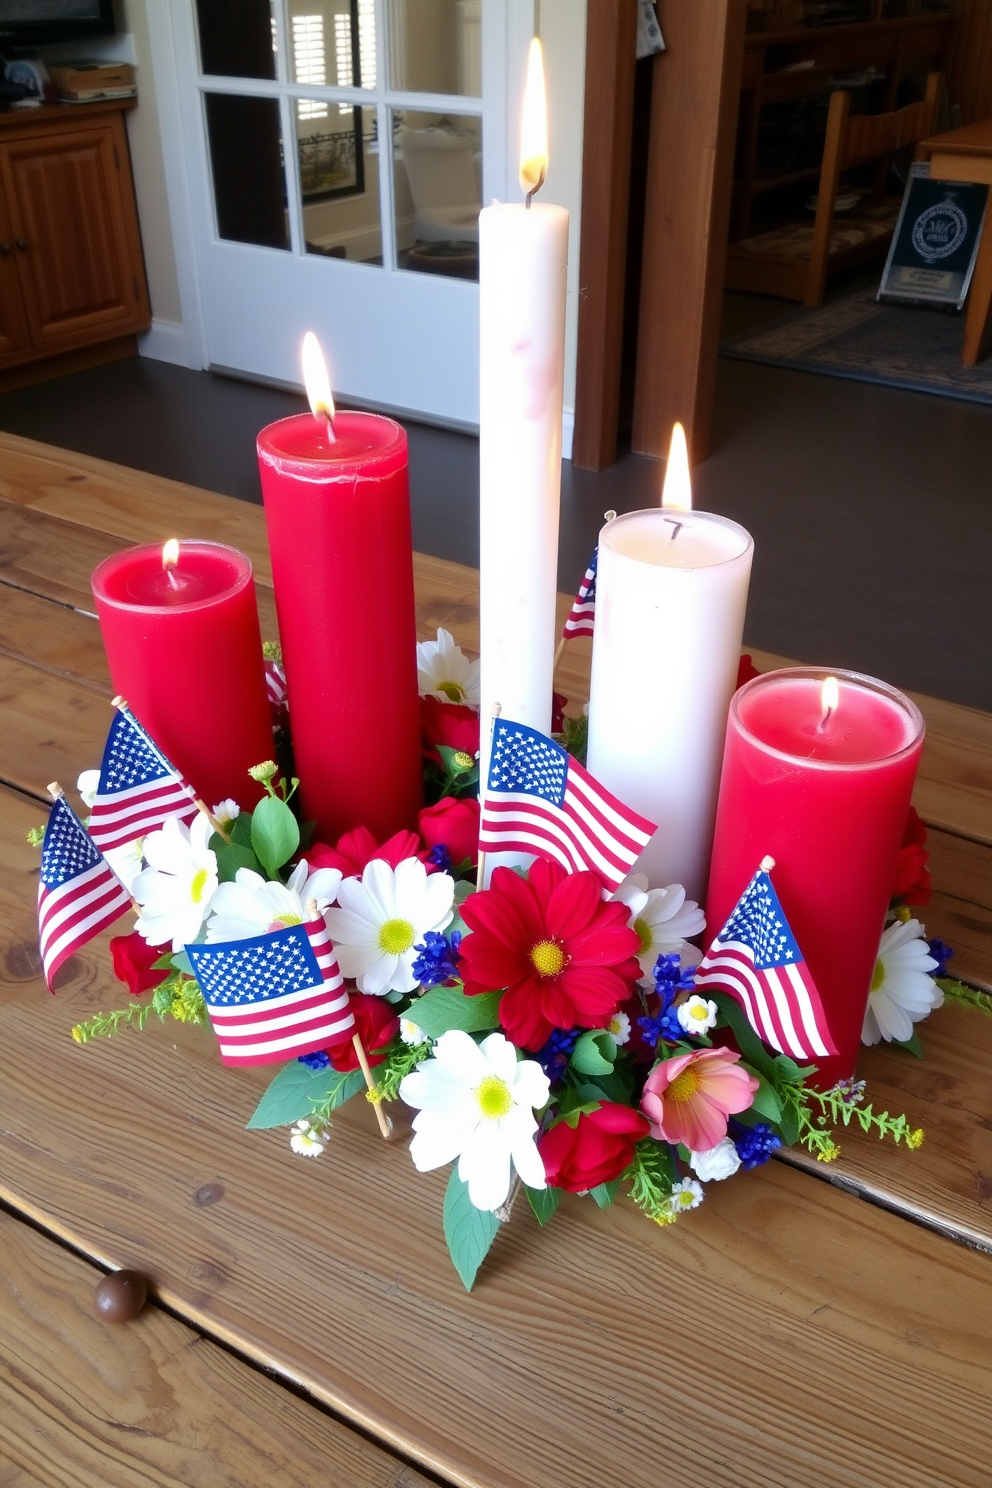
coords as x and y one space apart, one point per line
71 267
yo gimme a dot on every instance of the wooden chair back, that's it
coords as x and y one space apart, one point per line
851 140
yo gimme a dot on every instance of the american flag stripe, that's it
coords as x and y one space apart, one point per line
139 790
78 894
275 683
115 828
582 615
771 1017
574 847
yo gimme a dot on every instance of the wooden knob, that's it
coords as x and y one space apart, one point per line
119 1297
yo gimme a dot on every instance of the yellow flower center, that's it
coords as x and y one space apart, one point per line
396 936
684 1199
284 922
494 1097
198 885
614 1025
643 929
548 958
684 1086
877 976
452 690
462 760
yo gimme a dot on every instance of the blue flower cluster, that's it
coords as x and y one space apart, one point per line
941 953
669 980
318 1060
554 1055
441 859
437 959
755 1144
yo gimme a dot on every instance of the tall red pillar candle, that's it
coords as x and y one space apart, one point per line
825 791
338 516
184 650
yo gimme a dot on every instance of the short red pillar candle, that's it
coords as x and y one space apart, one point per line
338 517
184 650
825 791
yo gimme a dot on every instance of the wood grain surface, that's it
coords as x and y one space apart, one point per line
149 1403
796 1335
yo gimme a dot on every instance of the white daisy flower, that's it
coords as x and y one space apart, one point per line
381 917
250 905
476 1102
902 990
687 1195
664 919
445 672
619 1029
411 1034
307 1140
87 785
175 890
127 861
717 1163
696 1015
226 812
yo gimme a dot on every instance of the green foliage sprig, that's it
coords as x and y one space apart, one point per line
397 1065
177 997
652 1177
965 996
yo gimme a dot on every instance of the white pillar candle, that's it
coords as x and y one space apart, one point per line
671 592
523 251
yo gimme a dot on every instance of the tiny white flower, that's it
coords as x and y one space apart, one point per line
226 812
696 1015
664 919
721 1161
87 785
687 1195
619 1029
411 1034
381 918
902 990
307 1140
176 888
251 905
445 672
476 1102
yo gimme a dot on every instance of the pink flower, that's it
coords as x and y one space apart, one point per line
688 1099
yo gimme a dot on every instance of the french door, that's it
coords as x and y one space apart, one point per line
337 154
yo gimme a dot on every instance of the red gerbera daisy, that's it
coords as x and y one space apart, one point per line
565 957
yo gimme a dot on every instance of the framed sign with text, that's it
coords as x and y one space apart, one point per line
935 242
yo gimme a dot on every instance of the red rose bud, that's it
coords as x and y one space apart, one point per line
912 880
596 1150
558 704
746 670
134 962
454 825
452 724
377 1025
357 848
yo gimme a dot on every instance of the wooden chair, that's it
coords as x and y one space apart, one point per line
794 261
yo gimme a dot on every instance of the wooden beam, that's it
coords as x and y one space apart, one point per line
611 44
690 166
970 68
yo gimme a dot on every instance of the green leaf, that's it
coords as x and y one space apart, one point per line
605 1193
240 829
275 834
789 1125
617 1086
912 1044
164 963
544 1202
789 1072
230 857
469 1231
297 1088
447 1007
451 764
181 962
595 1053
766 1101
750 1045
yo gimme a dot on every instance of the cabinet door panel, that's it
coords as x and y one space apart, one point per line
72 253
14 331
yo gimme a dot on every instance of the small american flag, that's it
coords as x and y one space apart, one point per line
582 615
78 894
756 959
138 790
540 800
275 685
275 996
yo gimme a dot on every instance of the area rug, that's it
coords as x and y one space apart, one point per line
898 346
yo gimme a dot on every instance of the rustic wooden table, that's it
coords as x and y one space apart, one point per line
784 1334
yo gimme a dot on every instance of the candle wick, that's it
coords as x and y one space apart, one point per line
675 526
329 422
171 571
821 726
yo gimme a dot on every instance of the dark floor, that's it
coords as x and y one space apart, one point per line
870 507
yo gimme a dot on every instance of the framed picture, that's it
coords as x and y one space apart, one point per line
332 162
934 246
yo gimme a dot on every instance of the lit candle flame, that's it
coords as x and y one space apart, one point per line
829 698
677 490
317 382
534 125
170 554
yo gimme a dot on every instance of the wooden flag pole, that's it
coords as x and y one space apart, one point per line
558 656
480 870
385 1125
121 705
57 794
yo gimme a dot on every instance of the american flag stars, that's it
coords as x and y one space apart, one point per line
524 760
758 920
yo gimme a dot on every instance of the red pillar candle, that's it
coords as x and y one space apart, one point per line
824 790
184 650
338 515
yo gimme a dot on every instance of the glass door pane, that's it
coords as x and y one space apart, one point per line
245 142
332 43
237 38
437 163
436 46
339 180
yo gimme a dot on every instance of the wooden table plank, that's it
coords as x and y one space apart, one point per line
580 1346
97 1406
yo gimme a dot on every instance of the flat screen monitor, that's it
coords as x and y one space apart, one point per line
25 23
